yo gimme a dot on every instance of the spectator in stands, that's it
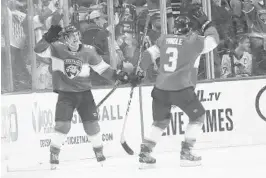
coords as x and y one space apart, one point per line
47 13
152 35
101 37
222 18
126 32
256 15
98 23
238 18
226 4
154 32
16 14
238 63
176 4
93 32
86 3
154 8
255 12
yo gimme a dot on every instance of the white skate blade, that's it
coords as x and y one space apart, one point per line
101 163
187 163
146 166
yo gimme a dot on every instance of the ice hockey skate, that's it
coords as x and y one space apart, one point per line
145 159
54 157
187 158
99 155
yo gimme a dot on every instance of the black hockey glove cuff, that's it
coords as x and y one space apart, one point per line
53 34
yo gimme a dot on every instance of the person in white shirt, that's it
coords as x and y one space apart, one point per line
238 63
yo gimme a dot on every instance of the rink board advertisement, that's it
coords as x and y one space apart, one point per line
235 115
35 114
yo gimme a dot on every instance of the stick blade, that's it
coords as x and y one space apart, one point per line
127 148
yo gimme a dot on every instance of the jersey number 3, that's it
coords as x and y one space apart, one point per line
173 56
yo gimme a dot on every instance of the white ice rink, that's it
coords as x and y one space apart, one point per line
233 162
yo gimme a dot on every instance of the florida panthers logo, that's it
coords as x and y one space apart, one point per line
72 67
262 16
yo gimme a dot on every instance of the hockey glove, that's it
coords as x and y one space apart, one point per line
135 79
198 14
53 34
121 76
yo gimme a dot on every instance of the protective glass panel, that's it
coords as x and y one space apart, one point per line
15 70
45 14
242 29
157 26
91 18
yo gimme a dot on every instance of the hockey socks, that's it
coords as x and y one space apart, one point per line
193 131
58 139
96 140
154 136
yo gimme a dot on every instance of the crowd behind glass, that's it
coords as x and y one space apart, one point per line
241 25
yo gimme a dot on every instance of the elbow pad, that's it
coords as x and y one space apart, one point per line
41 46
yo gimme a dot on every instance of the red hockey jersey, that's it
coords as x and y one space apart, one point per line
179 56
71 70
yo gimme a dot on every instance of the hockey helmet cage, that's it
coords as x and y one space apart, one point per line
182 25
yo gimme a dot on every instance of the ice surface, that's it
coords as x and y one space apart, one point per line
233 162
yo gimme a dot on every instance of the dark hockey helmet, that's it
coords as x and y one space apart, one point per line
182 25
69 30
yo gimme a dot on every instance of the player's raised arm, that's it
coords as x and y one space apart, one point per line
211 36
211 39
42 48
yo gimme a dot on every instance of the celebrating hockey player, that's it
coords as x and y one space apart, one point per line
179 54
71 65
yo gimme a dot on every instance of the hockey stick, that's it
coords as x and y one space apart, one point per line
109 94
122 139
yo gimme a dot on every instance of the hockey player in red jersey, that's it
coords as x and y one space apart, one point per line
71 65
178 53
